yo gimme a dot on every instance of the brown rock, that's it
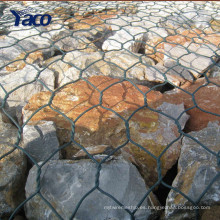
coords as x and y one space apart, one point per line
212 213
207 98
195 35
155 49
90 19
24 58
94 150
75 98
215 24
99 120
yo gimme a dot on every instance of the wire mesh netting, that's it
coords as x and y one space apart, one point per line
102 103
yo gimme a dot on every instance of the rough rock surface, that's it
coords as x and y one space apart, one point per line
13 169
40 141
171 73
197 168
154 132
155 47
128 38
64 183
207 98
113 63
102 126
196 57
9 49
31 58
215 71
66 41
100 150
24 77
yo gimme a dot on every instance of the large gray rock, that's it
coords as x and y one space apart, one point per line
39 36
10 48
174 74
156 32
13 170
196 57
188 18
24 78
64 183
66 41
197 168
128 38
40 141
112 63
175 70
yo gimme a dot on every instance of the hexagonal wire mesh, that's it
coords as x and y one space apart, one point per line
140 44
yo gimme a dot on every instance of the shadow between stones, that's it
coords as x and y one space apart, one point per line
163 191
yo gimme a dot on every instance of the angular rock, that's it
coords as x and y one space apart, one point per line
187 18
195 36
128 38
155 46
64 183
13 170
197 168
40 141
175 70
215 71
155 49
91 20
154 132
95 151
22 78
196 57
20 61
20 32
207 98
117 23
156 32
154 43
172 74
215 24
102 126
68 43
112 63
63 70
75 98
10 50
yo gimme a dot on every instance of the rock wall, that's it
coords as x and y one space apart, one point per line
100 106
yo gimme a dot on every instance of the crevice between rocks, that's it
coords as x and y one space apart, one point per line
163 191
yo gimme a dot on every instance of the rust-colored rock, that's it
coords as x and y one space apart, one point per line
207 98
78 97
90 19
22 60
100 120
155 47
